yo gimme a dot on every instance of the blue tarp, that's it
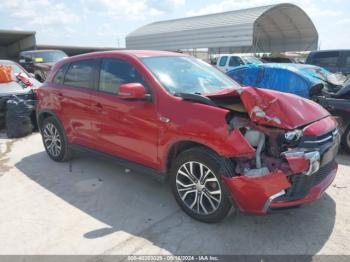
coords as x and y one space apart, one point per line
290 78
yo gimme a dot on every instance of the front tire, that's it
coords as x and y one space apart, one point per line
54 140
197 185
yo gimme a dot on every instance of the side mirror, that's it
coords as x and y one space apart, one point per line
133 91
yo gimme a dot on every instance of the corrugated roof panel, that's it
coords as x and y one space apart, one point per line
286 24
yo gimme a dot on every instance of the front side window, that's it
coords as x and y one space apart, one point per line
223 61
80 74
115 72
187 75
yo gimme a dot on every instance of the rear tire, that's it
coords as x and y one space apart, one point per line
54 140
197 186
346 140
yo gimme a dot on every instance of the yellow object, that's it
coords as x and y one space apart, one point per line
38 59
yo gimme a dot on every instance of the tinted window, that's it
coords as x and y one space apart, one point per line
223 61
26 56
48 56
80 74
326 59
347 60
115 72
235 61
58 79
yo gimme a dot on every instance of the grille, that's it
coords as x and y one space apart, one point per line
302 184
318 141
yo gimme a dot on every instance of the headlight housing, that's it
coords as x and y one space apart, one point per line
294 136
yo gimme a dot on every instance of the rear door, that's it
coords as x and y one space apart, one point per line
75 100
124 128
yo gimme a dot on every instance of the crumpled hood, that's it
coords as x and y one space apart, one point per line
272 108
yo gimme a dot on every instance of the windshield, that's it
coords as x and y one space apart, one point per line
187 75
47 57
15 69
251 60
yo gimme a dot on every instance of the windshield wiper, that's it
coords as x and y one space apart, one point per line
195 98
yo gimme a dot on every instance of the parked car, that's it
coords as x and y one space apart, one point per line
39 62
330 90
172 115
227 62
332 60
23 85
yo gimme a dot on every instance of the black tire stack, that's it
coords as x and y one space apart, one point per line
19 114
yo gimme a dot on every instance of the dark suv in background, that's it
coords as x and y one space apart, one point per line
333 60
39 62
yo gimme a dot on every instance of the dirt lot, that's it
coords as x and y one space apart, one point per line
92 206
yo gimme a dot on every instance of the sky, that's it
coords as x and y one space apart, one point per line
105 23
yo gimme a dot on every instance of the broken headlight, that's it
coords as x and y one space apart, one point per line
292 137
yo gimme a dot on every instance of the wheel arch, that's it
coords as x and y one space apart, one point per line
176 148
42 115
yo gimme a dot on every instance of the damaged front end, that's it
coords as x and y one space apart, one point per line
292 147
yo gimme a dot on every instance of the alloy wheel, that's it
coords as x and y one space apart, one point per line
198 188
52 140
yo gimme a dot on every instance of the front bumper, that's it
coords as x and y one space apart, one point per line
308 180
260 195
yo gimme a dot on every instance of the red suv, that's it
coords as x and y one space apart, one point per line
163 113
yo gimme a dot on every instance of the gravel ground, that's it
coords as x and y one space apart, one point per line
92 206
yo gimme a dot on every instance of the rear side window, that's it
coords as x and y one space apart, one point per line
223 61
235 61
115 72
58 79
326 59
80 74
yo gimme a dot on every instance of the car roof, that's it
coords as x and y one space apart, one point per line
330 50
131 53
240 55
7 61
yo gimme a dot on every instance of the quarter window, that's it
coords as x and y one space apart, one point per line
58 79
80 74
115 72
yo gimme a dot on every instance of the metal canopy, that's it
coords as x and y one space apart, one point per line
274 28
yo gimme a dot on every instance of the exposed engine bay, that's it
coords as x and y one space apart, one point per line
274 149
